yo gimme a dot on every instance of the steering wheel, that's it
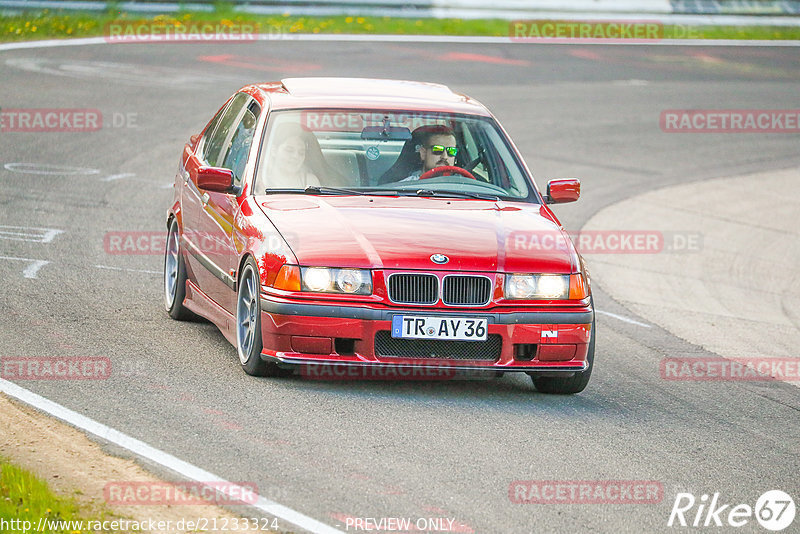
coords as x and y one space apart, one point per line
447 169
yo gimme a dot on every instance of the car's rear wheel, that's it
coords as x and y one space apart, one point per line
569 385
248 324
175 276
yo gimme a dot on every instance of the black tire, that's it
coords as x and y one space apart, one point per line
248 324
175 276
570 385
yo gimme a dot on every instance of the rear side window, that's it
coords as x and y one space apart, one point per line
212 148
238 148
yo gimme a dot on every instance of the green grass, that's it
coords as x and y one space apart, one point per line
766 33
62 24
24 497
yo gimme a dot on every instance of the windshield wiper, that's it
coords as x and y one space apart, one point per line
278 190
325 190
455 194
322 190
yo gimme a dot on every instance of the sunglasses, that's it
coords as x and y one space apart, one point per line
438 149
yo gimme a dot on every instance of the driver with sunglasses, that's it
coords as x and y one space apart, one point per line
436 146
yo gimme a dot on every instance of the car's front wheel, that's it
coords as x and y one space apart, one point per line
248 324
569 385
175 276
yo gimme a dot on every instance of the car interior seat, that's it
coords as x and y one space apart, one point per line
407 162
316 162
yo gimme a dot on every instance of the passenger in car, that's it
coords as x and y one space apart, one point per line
287 165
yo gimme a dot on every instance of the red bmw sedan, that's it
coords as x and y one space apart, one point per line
375 224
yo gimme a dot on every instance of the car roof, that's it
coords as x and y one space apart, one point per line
368 93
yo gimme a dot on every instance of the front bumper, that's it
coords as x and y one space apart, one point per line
337 335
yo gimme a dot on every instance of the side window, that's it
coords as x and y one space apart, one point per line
212 148
238 148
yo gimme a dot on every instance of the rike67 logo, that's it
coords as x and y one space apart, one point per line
774 510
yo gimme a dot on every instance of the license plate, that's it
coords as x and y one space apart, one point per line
459 329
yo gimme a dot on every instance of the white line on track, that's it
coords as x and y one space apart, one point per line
623 318
477 39
48 169
31 270
120 176
124 269
465 39
142 449
31 234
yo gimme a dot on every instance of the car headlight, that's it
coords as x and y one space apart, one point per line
317 279
537 286
351 280
330 280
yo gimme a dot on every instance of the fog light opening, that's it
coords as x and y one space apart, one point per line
344 345
524 352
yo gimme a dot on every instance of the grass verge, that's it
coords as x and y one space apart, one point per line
25 500
63 24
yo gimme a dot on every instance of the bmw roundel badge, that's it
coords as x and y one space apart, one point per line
441 259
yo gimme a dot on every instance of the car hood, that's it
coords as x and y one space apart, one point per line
403 233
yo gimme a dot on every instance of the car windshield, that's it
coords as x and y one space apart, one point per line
389 152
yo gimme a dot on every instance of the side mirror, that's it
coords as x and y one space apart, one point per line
214 179
563 190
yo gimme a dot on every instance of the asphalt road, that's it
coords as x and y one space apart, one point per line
333 450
